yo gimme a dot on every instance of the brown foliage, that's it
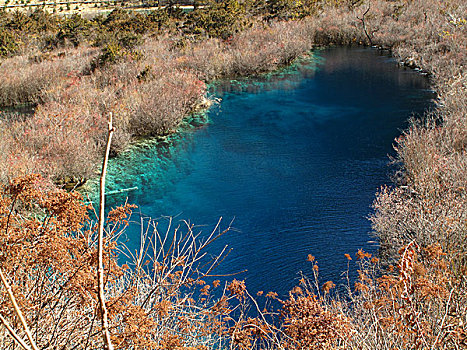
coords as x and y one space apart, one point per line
309 324
48 252
419 306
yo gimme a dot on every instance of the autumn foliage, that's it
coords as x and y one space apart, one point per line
49 256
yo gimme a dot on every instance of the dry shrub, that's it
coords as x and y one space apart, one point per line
209 60
309 323
29 80
266 48
64 137
5 150
47 259
157 300
259 49
157 106
429 205
61 140
50 139
337 26
419 305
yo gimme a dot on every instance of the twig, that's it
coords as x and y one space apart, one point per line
17 310
444 319
100 270
272 329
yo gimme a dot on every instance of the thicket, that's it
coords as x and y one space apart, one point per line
49 255
140 68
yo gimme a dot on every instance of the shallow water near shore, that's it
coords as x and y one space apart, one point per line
293 159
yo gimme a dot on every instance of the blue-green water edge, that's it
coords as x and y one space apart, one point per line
293 158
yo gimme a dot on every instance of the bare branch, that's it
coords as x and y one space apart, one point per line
17 310
362 19
13 334
100 269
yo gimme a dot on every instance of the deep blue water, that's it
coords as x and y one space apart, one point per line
294 159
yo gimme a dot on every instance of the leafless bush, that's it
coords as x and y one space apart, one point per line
30 80
156 107
259 49
209 59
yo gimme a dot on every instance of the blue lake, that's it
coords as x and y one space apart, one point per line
293 158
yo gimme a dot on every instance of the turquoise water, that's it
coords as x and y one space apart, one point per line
294 159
